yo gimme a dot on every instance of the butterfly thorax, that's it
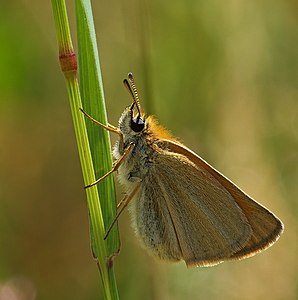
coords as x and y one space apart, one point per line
140 161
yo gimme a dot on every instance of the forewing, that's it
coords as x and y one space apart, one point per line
266 227
209 225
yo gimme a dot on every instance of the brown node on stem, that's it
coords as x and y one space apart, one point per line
68 62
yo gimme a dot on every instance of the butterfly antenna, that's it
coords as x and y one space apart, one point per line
130 85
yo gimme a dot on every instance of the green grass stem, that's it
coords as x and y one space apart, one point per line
100 213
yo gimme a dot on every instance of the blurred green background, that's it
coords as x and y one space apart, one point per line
221 75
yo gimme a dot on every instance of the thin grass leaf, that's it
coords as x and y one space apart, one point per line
92 94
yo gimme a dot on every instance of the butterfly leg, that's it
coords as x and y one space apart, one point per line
115 167
108 127
124 202
121 202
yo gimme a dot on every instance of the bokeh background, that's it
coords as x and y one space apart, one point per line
221 75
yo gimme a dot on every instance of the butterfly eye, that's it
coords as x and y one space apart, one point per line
137 125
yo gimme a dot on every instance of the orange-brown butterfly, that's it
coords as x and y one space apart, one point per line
182 208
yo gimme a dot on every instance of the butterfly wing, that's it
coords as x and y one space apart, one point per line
182 210
266 227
